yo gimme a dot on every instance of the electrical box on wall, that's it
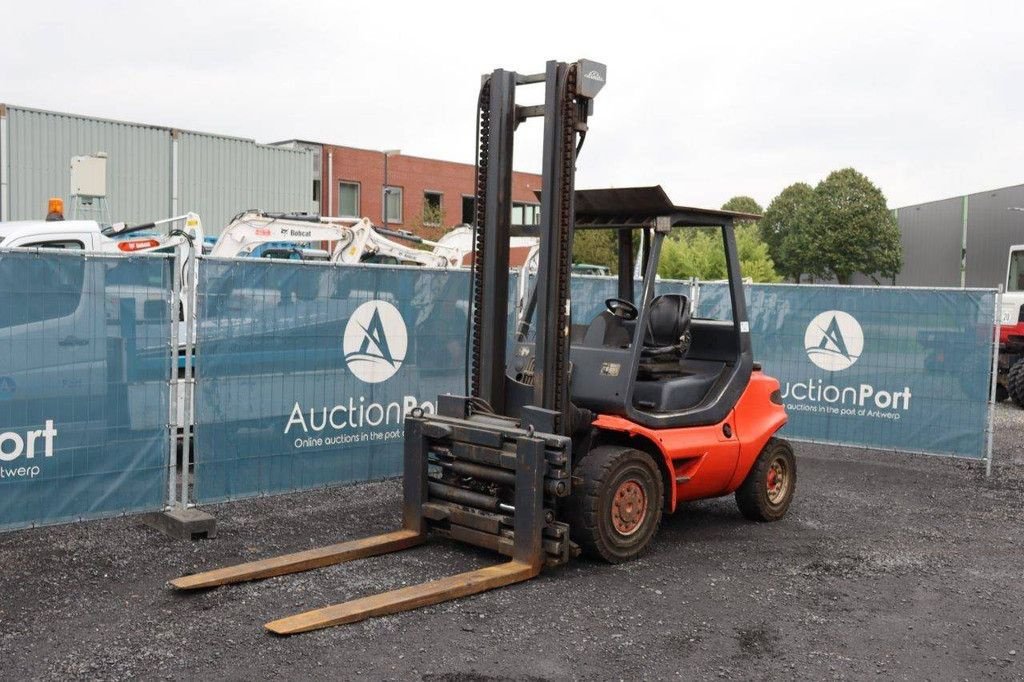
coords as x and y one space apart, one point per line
89 175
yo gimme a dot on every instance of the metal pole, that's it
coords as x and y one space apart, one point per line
174 172
330 184
993 378
963 245
384 209
5 180
189 284
172 408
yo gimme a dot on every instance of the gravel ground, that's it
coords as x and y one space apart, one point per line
901 566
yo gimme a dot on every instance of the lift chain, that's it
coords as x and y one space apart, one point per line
566 220
483 142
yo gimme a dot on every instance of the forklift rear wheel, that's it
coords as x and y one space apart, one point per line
768 489
615 513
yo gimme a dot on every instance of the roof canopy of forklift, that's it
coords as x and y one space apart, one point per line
630 208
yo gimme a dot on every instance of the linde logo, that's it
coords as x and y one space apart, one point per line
14 445
375 341
834 340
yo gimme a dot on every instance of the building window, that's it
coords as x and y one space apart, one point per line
393 203
467 209
432 212
525 214
316 191
348 199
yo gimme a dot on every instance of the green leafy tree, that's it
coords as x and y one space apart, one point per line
785 229
596 247
431 222
700 254
852 230
743 204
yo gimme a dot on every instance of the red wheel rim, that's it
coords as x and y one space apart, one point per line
629 507
777 481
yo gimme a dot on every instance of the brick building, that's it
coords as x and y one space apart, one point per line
426 196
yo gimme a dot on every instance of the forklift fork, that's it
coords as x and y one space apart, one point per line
444 459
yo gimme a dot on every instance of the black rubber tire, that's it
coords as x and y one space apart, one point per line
752 496
1015 383
589 509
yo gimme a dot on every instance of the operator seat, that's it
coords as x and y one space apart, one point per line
667 333
668 381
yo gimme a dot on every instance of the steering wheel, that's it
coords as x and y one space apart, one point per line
621 309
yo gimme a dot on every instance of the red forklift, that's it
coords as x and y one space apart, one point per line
591 429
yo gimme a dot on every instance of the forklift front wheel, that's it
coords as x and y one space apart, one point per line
768 489
615 513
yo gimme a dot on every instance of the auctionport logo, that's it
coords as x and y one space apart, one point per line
834 340
375 341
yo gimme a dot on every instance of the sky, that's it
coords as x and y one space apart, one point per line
710 100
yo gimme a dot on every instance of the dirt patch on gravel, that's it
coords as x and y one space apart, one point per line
904 566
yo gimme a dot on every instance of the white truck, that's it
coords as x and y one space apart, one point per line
1010 376
88 235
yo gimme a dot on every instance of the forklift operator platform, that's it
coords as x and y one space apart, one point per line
647 359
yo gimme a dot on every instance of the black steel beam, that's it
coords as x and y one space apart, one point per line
549 388
626 265
493 277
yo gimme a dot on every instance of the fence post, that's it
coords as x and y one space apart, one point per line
172 408
189 271
993 380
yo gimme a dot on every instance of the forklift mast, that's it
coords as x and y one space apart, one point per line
569 90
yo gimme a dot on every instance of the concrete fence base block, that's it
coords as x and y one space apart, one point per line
183 524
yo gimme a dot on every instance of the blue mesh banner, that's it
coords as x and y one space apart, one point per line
900 369
84 366
305 372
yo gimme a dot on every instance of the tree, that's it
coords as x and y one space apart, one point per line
700 254
743 204
596 247
852 230
785 229
431 222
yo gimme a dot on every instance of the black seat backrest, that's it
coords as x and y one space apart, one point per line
666 320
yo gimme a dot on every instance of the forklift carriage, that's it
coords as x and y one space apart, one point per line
593 428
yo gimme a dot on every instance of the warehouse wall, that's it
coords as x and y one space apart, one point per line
223 176
991 229
39 147
932 238
217 176
933 234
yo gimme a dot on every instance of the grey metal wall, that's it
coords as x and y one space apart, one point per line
222 176
216 176
39 148
933 234
932 238
991 229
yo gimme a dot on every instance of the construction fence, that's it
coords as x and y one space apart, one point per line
304 372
